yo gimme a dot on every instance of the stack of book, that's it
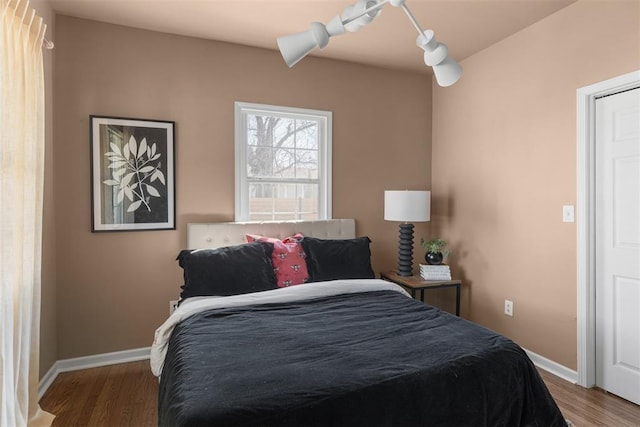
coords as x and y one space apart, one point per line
435 272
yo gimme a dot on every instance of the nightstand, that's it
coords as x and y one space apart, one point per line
416 283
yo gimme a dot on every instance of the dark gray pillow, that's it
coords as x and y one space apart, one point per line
329 259
226 271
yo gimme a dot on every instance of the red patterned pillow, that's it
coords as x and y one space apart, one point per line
288 259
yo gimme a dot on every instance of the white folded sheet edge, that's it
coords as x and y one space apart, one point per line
307 291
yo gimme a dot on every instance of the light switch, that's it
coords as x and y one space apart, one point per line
567 213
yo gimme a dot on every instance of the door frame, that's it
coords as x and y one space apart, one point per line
585 218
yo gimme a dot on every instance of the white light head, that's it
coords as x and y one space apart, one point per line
447 72
294 47
436 55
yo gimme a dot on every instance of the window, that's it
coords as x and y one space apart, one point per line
283 163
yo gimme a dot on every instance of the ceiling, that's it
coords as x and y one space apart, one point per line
466 26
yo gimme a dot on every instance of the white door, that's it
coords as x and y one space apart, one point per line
618 244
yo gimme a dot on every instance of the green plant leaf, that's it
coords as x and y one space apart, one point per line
433 245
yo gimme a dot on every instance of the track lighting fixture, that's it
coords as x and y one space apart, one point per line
294 47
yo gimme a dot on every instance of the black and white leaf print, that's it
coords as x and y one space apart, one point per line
133 168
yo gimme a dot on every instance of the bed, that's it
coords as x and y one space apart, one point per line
341 349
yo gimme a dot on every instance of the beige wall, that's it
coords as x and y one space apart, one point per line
504 163
48 325
113 288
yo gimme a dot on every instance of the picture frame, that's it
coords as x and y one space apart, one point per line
132 174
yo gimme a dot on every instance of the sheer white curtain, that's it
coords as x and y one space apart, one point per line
21 186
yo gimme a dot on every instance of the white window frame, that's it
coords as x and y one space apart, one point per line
324 118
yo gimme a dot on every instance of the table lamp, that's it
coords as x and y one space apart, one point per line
407 207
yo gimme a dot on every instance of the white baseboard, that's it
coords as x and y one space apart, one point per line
555 368
47 380
86 362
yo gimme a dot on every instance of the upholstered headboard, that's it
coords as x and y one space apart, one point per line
219 234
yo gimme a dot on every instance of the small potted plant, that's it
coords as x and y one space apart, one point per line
435 250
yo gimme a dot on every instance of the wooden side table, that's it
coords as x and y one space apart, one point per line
416 283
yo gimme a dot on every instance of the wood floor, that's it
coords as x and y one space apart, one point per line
126 395
591 406
110 396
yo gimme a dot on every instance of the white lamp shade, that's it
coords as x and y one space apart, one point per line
447 72
294 47
407 206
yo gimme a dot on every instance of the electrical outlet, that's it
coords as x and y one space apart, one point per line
508 307
173 304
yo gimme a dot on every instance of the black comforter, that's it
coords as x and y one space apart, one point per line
366 359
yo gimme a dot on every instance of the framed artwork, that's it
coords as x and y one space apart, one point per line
132 174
